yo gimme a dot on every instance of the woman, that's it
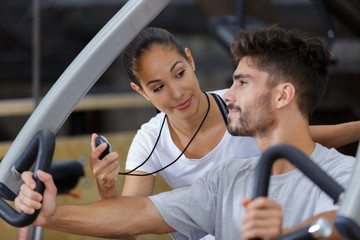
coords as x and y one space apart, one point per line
189 134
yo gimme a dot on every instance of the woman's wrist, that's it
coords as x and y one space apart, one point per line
108 192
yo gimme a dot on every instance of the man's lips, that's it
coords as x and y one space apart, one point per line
233 110
183 105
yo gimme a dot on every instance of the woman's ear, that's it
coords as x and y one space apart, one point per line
285 94
138 89
190 58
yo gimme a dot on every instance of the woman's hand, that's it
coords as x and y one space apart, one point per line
105 170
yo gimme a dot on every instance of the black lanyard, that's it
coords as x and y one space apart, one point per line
157 140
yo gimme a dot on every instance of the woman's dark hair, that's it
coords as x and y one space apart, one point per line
143 42
288 56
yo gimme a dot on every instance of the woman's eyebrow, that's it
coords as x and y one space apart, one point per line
171 69
153 81
173 66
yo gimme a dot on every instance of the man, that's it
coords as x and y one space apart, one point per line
280 77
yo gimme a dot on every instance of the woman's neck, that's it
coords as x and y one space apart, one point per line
208 136
187 127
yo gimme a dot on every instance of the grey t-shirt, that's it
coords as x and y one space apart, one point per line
212 205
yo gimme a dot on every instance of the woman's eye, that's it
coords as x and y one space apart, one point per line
180 74
158 88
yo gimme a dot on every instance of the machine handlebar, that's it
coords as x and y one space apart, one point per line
40 150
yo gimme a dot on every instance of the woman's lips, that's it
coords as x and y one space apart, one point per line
183 105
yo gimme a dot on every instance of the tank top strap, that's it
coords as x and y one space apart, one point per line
222 106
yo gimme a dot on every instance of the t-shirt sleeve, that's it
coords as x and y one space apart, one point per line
341 173
191 210
142 145
138 153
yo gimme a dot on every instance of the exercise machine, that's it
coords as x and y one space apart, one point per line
72 86
40 149
347 221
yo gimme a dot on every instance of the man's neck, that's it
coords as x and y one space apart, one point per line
294 133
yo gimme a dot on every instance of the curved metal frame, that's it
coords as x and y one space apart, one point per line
79 77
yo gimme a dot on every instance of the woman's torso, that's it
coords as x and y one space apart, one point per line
186 170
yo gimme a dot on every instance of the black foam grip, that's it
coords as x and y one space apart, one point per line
40 150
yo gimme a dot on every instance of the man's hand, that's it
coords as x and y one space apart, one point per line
28 200
262 219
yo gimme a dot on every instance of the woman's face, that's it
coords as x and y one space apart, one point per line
168 81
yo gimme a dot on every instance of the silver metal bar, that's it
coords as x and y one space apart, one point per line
36 52
350 203
79 77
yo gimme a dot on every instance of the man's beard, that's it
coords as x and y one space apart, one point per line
257 121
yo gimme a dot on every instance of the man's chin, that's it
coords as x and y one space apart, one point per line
235 131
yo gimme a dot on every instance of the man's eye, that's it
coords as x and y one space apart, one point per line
242 82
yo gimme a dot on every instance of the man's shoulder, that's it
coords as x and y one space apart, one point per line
236 166
322 153
330 159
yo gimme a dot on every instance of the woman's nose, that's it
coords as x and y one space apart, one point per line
177 92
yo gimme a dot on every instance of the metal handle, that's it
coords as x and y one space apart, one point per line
318 229
40 148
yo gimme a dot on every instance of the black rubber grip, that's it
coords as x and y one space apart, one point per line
40 150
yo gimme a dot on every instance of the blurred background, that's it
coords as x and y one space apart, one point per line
39 39
206 27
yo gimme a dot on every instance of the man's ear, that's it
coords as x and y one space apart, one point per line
190 58
285 94
138 89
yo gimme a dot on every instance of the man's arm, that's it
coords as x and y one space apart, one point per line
333 136
109 218
263 219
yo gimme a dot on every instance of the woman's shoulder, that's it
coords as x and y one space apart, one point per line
152 126
219 92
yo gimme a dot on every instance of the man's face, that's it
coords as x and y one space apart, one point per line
249 98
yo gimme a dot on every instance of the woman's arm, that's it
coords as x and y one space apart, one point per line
137 186
106 174
333 136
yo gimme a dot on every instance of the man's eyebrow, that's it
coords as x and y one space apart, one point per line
238 76
173 66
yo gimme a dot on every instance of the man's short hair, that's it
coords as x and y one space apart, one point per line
288 56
